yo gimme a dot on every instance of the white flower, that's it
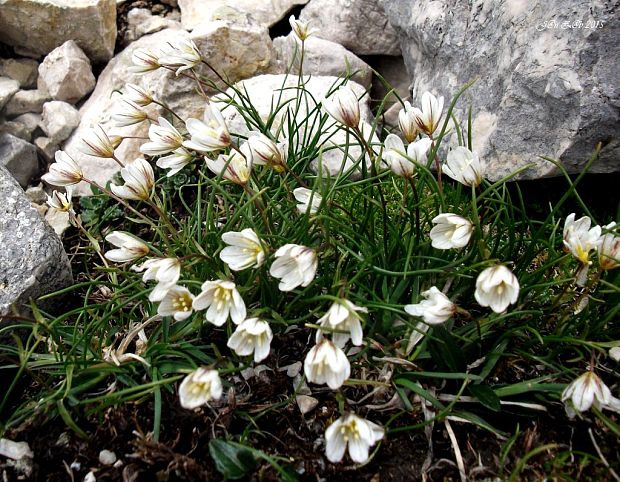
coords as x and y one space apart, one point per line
609 248
307 199
435 309
143 61
579 238
587 390
138 95
234 166
343 106
497 287
407 123
97 143
295 266
463 166
301 29
164 139
223 300
343 320
64 172
180 55
265 152
451 231
404 162
130 248
210 134
356 432
252 335
177 302
199 387
61 201
139 181
429 116
127 113
176 161
166 271
327 363
244 250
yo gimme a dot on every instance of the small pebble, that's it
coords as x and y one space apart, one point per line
107 457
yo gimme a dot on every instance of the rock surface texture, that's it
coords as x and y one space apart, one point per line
19 157
546 76
32 258
41 26
359 25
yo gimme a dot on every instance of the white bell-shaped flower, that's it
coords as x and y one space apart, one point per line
252 336
343 322
463 166
497 287
221 300
295 266
356 433
244 250
435 309
450 231
139 181
327 363
200 386
129 247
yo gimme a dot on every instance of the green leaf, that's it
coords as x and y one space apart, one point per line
232 461
486 396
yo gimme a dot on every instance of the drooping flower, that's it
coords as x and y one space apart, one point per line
265 152
177 302
295 266
343 322
139 181
244 250
236 166
166 271
64 172
138 95
435 309
222 300
252 336
301 29
307 199
327 363
130 247
343 106
200 386
181 55
143 61
164 139
463 166
587 390
407 123
427 118
355 432
210 134
61 201
497 287
403 162
127 113
451 231
97 143
177 160
609 248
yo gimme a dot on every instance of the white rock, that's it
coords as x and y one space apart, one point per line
140 21
29 120
15 450
359 25
59 120
40 26
90 477
107 457
8 88
306 403
19 158
321 57
46 147
26 101
58 220
66 73
36 194
17 129
265 12
25 71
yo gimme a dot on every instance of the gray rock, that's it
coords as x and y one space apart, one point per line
59 120
26 101
321 57
19 157
32 257
66 73
359 25
41 26
25 71
58 220
8 88
16 129
542 89
46 147
140 22
36 194
29 120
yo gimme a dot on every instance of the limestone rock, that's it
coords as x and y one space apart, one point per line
26 101
224 45
8 88
359 25
58 220
59 120
19 157
22 126
36 194
265 12
46 147
41 26
24 71
140 21
66 73
32 257
541 89
321 57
